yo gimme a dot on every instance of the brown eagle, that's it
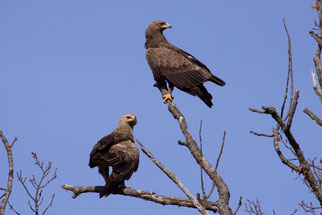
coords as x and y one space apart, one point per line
177 67
119 151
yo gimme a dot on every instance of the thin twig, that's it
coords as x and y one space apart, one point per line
221 150
174 178
217 163
238 206
50 204
256 110
201 170
254 207
261 134
13 142
309 207
12 208
294 212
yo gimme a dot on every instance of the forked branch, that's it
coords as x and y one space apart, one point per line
284 127
190 143
38 187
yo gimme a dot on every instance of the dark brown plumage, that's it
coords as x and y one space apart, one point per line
116 150
177 67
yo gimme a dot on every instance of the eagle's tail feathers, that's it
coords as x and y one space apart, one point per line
203 94
217 80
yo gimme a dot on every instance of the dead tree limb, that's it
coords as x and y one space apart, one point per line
318 37
190 143
284 125
317 62
141 194
8 190
304 167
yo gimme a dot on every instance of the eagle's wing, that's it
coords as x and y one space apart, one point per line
179 68
101 146
124 159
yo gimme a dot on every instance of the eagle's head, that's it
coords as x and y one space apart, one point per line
129 118
156 27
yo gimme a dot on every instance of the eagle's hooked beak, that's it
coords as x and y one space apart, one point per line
166 25
133 118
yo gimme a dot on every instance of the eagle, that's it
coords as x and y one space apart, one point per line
119 151
175 66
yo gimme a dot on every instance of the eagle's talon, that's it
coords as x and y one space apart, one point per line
166 97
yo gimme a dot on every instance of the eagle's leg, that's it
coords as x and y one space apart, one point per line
166 93
105 173
169 95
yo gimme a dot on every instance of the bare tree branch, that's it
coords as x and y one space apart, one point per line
253 208
223 191
146 195
174 178
256 110
190 143
294 212
316 88
201 170
13 209
284 160
261 134
221 150
238 206
217 163
292 110
6 196
38 186
317 37
304 165
313 116
309 208
310 178
50 204
289 74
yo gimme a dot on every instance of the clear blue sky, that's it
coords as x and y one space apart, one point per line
70 69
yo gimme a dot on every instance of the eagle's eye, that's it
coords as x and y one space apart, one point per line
128 117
